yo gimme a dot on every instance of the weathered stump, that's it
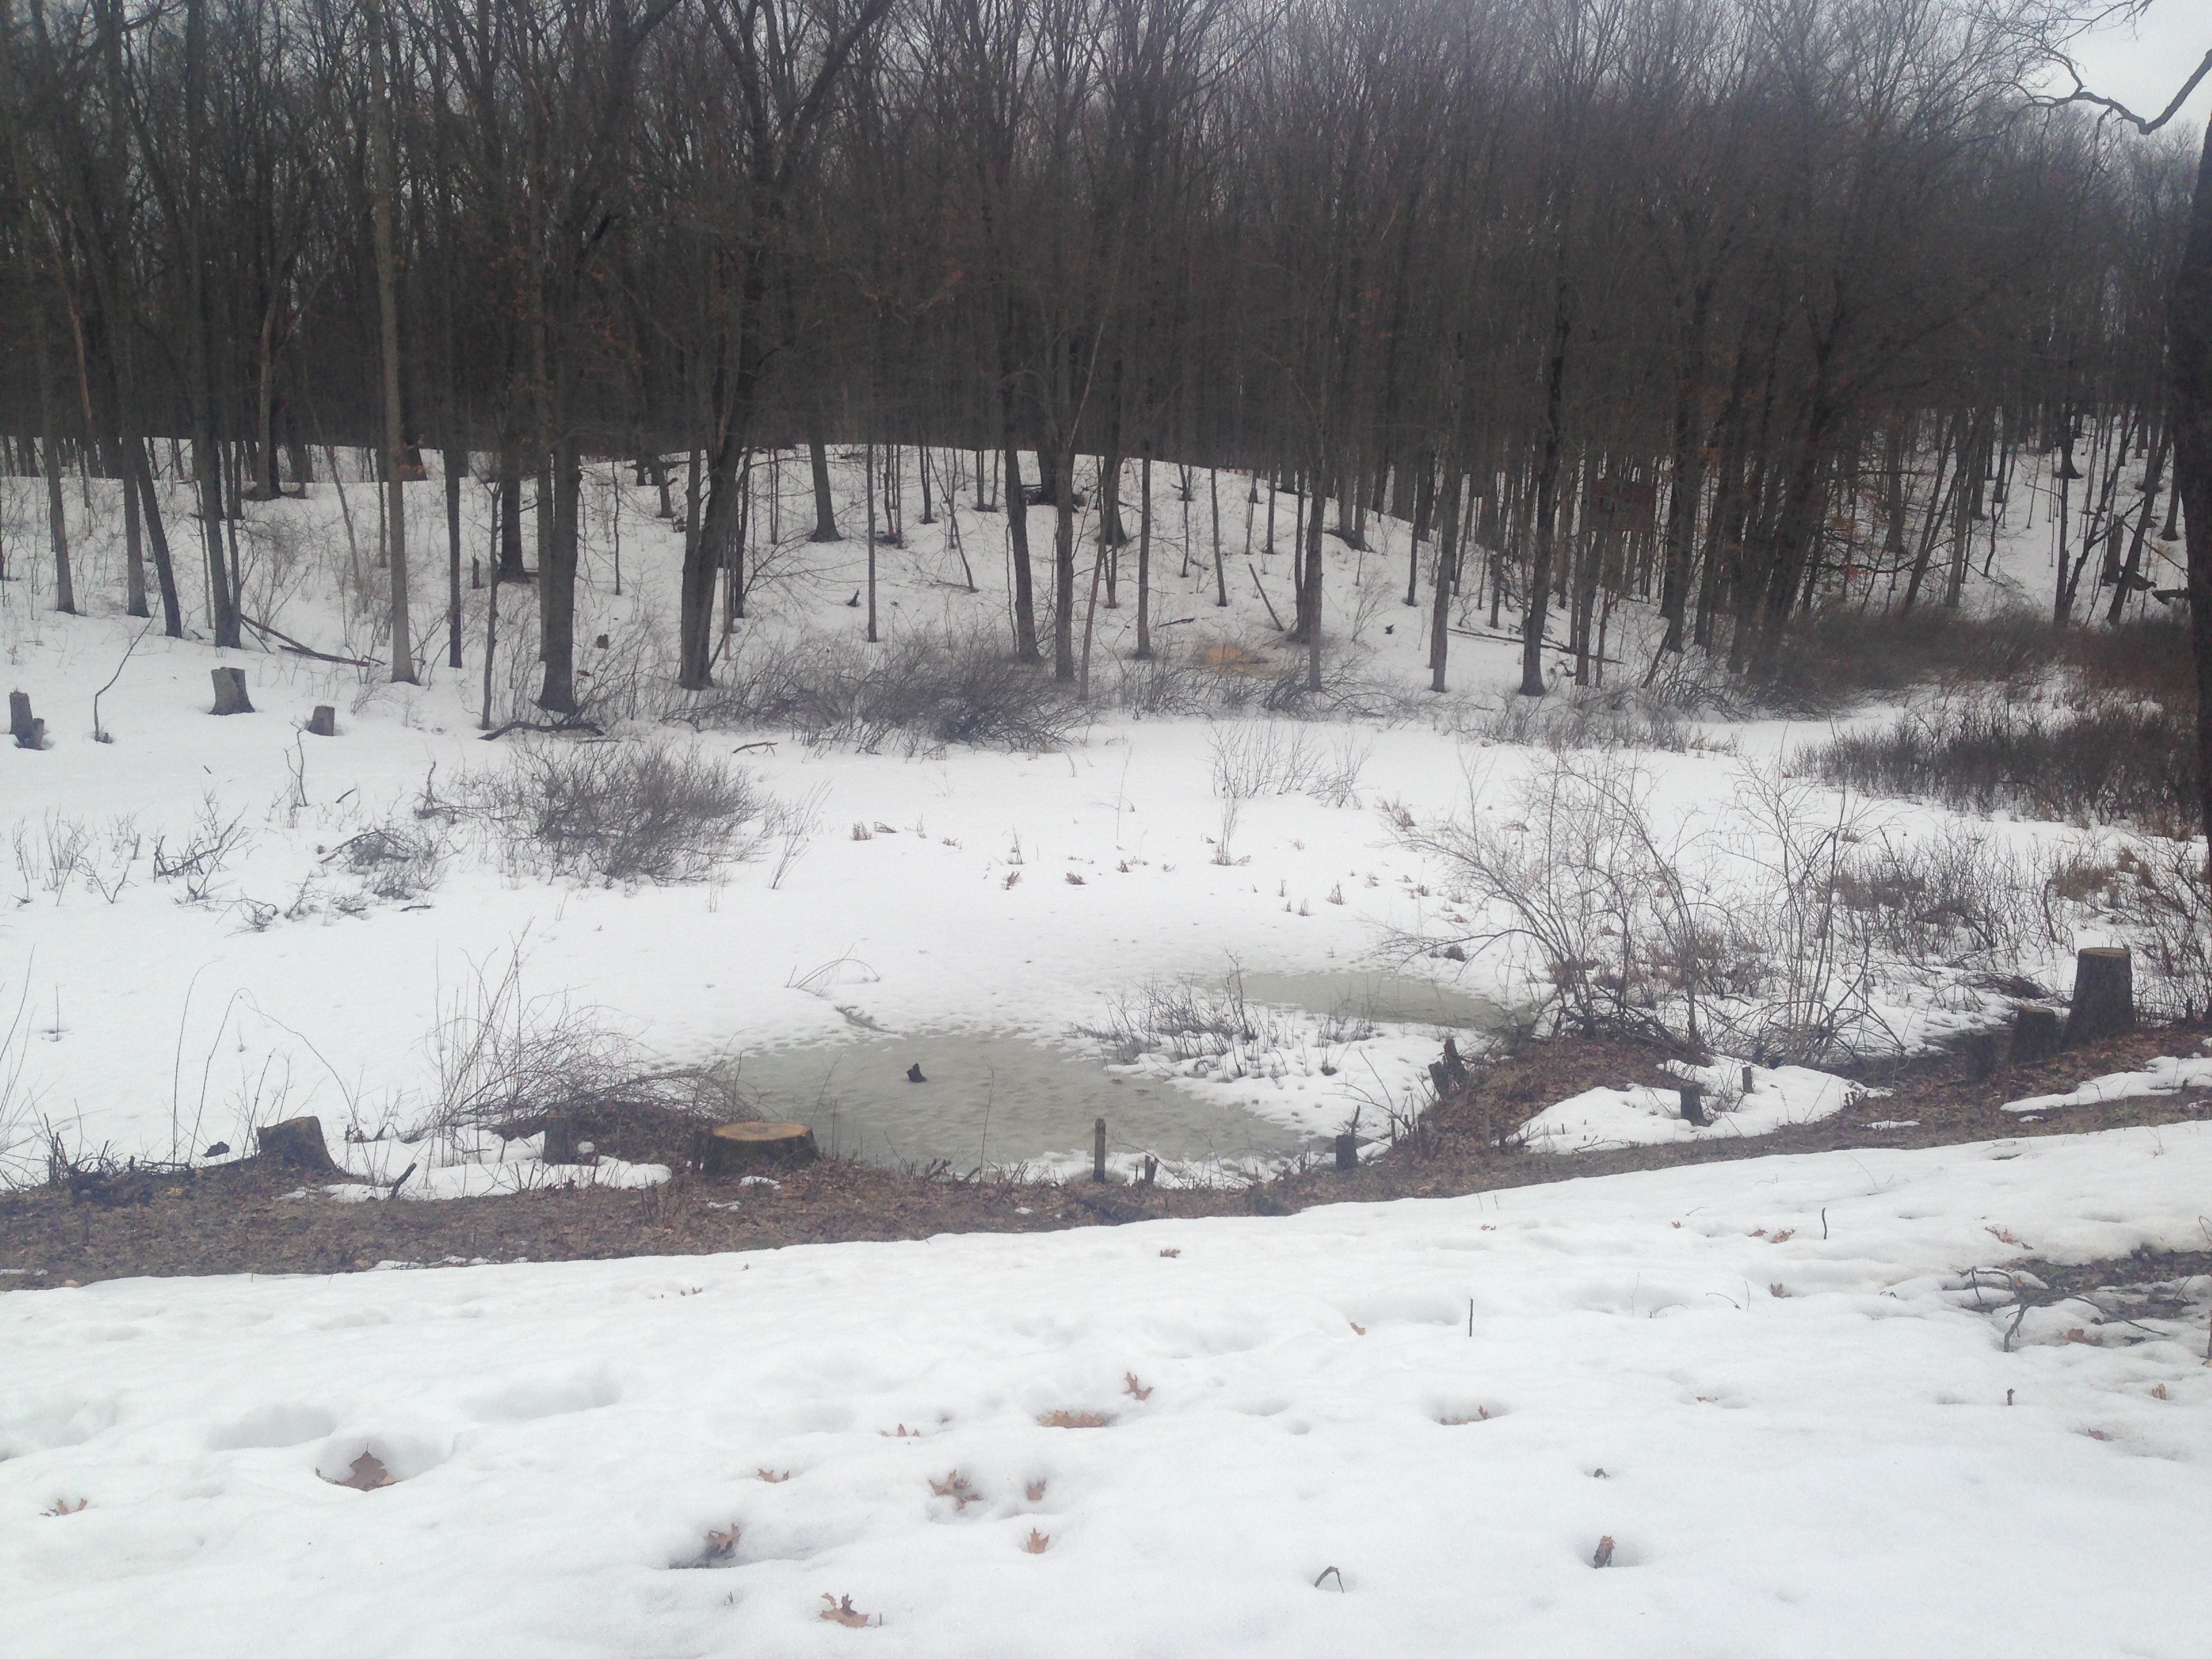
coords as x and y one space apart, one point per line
324 722
297 1144
2104 995
1981 1054
1347 1152
28 733
2035 1036
1693 1104
565 1140
230 697
735 1149
1099 1149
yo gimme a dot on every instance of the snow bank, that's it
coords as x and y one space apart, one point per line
1764 1380
2163 1076
1779 1096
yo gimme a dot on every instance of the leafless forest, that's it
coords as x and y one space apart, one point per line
1744 308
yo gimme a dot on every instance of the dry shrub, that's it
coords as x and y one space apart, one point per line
615 811
2107 760
911 692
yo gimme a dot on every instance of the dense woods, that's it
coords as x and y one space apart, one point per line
1733 308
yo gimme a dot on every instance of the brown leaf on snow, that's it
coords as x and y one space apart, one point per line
902 1432
774 1477
1065 1418
1777 1290
366 1474
2002 1235
1604 1556
1035 1490
720 1545
2078 1335
1787 1232
1170 1253
1134 1388
956 1487
2158 1391
841 1611
1481 1415
1037 1542
1358 1330
63 1506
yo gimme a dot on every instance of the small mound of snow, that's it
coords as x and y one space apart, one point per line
1601 1119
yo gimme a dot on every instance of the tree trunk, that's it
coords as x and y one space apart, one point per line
2189 359
826 509
385 187
2103 996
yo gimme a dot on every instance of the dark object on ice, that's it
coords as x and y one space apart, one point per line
297 1144
324 722
913 1073
741 1148
1693 1111
600 643
2104 995
854 604
2035 1036
220 1149
230 697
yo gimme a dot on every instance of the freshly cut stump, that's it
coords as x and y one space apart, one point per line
230 697
732 1149
297 1144
2104 995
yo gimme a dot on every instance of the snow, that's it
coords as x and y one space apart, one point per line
1797 1395
1780 1097
2166 1075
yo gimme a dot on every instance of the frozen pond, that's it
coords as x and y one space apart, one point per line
999 1098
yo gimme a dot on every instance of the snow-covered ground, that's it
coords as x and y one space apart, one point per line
1768 1382
1006 896
2166 1075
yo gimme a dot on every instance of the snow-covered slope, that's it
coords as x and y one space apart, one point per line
1761 1380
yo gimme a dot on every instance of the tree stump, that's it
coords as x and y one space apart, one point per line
735 1149
1693 1104
1098 1150
28 732
230 697
2104 995
1347 1152
564 1140
324 722
297 1144
2035 1036
1981 1054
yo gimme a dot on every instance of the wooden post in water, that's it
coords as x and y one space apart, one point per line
1098 1150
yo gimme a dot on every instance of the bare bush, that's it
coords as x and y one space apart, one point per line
1601 719
614 811
393 861
915 692
508 1063
197 864
2109 760
1777 925
1261 757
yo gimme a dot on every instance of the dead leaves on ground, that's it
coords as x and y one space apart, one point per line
63 1506
1134 1388
1171 1254
366 1474
1481 1415
955 1486
1037 1542
841 1611
1065 1418
774 1477
1035 1491
720 1545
